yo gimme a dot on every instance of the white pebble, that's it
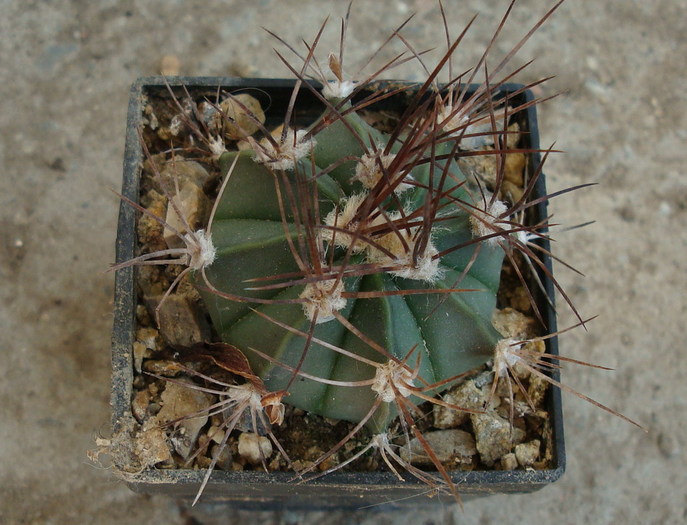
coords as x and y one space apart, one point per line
250 445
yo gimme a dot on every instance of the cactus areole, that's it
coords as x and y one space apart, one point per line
350 249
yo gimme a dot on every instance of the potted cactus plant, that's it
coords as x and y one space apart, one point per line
341 255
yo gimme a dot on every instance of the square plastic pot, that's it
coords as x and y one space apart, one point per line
259 489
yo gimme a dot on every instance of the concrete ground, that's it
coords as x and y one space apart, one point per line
66 69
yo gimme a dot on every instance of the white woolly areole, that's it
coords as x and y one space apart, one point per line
246 393
368 171
506 356
487 222
380 441
343 220
201 250
425 268
323 298
338 89
393 373
294 147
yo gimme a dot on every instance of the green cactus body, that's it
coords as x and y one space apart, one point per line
450 333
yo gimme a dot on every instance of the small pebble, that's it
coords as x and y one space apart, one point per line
467 396
181 322
240 114
179 401
513 324
216 434
178 170
149 337
514 169
149 230
223 455
162 367
527 453
450 446
331 462
141 352
250 446
509 462
494 436
139 405
151 446
187 210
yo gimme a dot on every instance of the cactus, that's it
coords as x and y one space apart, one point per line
393 283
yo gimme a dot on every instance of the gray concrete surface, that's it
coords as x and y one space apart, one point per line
66 68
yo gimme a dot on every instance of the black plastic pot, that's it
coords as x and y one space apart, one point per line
258 489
